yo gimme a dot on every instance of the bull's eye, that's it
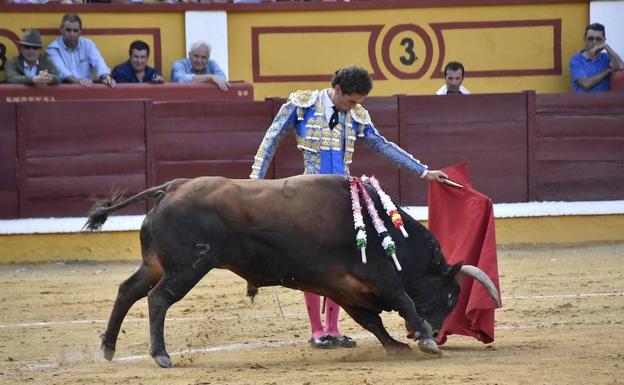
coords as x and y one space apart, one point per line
450 299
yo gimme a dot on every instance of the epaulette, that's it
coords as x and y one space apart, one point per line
304 98
360 114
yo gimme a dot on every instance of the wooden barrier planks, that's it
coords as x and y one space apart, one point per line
166 91
8 161
71 152
196 138
489 132
519 147
579 146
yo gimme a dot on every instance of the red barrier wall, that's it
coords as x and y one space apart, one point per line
8 162
617 81
579 146
195 139
489 132
166 91
71 152
519 147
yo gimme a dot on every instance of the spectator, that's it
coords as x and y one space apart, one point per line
135 69
76 57
591 67
327 123
454 77
30 67
199 68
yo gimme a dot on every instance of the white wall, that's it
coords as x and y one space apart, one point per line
211 27
611 15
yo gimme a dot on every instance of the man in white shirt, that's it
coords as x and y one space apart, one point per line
454 77
76 57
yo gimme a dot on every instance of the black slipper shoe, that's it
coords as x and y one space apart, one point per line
325 342
344 341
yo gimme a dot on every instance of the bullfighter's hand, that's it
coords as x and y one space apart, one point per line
435 175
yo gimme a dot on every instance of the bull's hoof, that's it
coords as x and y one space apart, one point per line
398 349
428 345
108 350
163 361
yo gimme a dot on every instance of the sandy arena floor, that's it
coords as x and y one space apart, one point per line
562 323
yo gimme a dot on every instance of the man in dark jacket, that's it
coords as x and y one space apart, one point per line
30 67
135 69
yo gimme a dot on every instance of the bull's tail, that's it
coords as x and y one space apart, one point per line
102 209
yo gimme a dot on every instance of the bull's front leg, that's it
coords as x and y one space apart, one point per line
371 321
405 306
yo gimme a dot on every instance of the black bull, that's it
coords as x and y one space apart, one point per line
296 232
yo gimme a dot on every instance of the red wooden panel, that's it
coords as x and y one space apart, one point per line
564 125
617 81
463 108
585 149
87 164
206 138
586 104
166 91
71 151
232 169
492 140
8 161
288 159
580 181
579 146
190 146
210 116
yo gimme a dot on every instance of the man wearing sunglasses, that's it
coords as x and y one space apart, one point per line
76 57
591 67
30 67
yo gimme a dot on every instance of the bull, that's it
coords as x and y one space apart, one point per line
296 232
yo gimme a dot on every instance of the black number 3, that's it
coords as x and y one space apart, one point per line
2 56
409 50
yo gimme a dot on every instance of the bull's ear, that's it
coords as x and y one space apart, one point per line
455 269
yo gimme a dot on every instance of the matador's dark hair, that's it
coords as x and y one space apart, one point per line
353 79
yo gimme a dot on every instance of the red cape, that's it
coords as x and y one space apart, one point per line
462 219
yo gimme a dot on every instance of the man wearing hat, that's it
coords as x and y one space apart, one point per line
30 67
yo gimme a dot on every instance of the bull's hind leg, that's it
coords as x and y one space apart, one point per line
372 322
131 290
172 287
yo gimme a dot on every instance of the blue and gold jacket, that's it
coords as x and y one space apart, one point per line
325 150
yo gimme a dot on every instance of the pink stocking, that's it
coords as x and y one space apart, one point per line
332 311
313 305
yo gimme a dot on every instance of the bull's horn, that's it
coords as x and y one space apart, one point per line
480 276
